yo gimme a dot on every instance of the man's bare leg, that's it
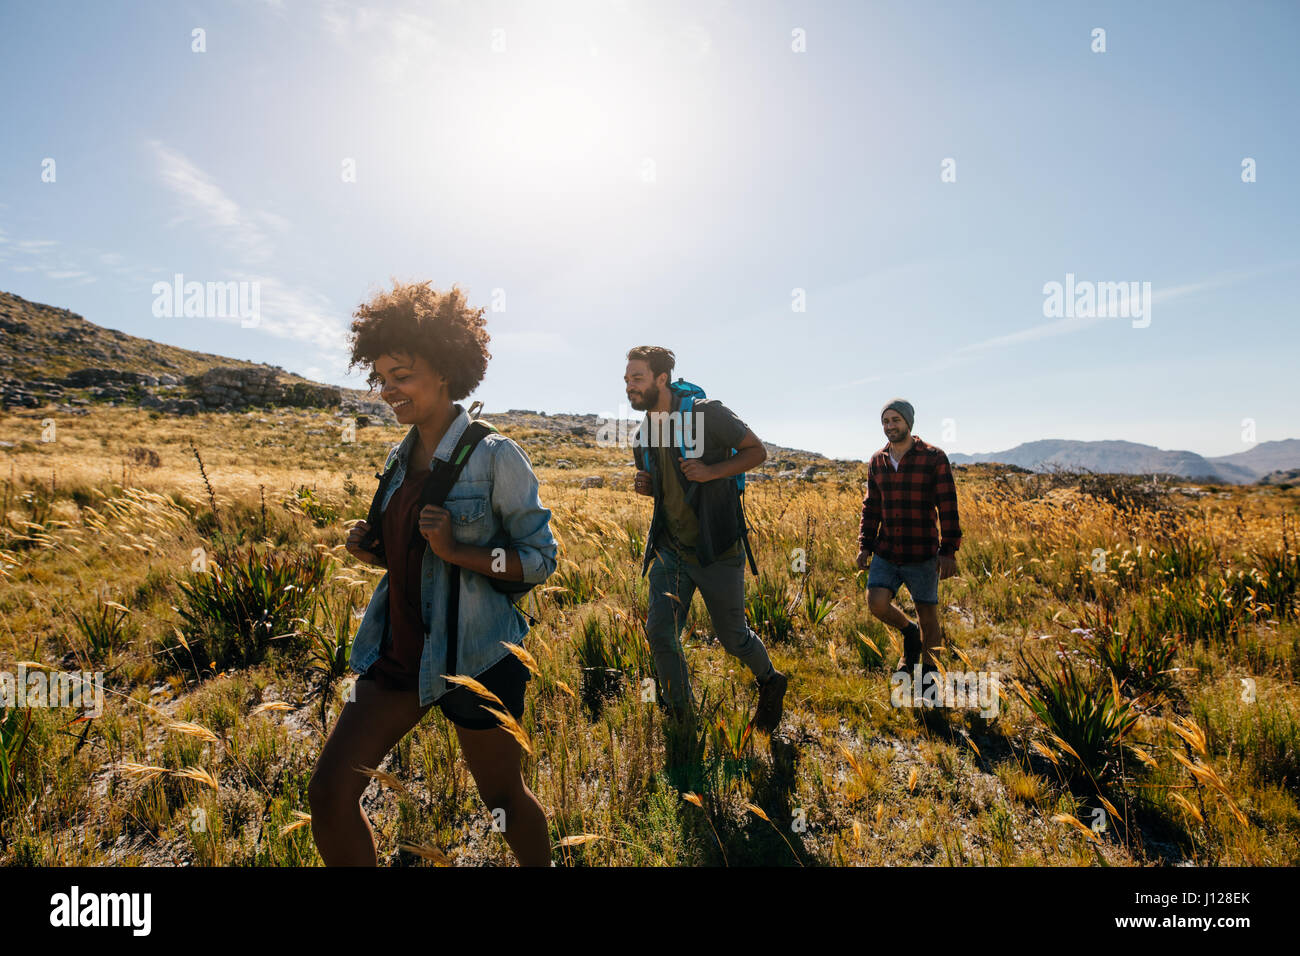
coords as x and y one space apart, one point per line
931 635
880 601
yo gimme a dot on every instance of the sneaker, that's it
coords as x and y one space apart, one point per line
771 693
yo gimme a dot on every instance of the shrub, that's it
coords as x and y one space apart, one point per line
1088 718
769 610
248 599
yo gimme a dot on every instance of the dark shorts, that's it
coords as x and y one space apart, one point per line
506 678
921 578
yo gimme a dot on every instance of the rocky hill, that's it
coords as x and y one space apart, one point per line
1290 476
50 357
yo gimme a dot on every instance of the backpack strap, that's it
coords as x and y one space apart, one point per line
641 457
686 406
444 474
373 541
744 535
453 615
436 488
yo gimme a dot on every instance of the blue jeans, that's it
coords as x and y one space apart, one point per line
921 578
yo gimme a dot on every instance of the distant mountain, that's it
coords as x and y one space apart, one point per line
1266 457
1133 458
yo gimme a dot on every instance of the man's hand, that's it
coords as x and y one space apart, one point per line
359 531
643 484
435 525
947 566
864 560
696 470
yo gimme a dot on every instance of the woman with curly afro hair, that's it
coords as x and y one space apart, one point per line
427 350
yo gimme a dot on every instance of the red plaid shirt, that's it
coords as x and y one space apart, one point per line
898 510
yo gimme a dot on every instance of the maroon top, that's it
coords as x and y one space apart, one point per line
398 665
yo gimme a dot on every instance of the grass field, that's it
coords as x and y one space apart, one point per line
1146 650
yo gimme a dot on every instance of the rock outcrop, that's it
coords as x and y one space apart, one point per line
233 387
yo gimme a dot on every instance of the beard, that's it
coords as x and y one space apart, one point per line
648 399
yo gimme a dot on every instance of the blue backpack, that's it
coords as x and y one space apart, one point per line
685 393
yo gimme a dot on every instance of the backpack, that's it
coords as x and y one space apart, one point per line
686 394
437 485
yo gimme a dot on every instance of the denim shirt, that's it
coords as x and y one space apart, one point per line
494 498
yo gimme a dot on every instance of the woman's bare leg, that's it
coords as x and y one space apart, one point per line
494 762
367 729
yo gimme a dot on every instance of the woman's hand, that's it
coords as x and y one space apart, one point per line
360 531
435 526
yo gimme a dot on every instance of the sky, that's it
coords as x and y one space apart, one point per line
818 206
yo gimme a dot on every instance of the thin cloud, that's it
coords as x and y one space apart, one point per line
857 381
966 353
304 315
286 311
1076 323
207 202
550 343
396 43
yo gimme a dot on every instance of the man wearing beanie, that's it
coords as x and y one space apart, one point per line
907 482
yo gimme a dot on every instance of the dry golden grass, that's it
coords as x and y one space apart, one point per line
848 780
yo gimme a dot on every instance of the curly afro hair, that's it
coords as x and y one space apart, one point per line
416 319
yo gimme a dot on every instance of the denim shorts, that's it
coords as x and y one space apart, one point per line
464 708
921 578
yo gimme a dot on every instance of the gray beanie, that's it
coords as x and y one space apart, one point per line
903 408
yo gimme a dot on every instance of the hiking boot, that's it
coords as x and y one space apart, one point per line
771 693
930 673
911 648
